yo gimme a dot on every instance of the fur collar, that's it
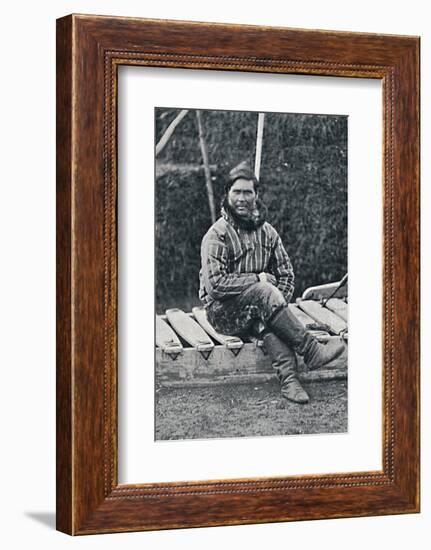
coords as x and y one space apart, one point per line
256 219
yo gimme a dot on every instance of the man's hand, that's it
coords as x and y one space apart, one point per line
267 278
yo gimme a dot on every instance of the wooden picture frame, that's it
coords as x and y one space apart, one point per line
89 52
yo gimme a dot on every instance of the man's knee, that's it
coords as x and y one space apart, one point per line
269 292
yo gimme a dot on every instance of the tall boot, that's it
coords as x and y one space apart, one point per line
316 354
285 365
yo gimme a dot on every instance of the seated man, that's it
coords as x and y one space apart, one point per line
247 281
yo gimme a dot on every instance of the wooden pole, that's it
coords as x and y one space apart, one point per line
208 180
169 131
340 285
259 138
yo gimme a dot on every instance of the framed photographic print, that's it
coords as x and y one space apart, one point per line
237 274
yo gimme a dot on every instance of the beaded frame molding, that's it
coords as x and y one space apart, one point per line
89 51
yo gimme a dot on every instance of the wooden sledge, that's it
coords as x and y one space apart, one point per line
190 352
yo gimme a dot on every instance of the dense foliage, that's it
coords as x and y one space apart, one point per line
303 183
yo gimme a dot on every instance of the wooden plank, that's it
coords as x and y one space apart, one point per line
189 330
304 319
166 339
231 342
323 315
339 307
321 292
258 378
321 333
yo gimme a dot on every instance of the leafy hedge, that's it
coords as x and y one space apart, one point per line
303 182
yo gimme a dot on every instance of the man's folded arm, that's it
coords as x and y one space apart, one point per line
220 284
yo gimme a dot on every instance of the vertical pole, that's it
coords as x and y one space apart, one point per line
259 138
204 152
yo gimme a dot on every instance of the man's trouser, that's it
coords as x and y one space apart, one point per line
238 315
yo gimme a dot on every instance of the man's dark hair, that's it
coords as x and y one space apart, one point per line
242 171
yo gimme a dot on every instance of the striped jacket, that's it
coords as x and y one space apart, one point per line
232 259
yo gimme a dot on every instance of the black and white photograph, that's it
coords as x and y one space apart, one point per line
251 275
213 317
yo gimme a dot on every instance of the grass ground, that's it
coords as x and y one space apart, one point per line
248 410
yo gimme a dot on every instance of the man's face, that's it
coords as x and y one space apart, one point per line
242 197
